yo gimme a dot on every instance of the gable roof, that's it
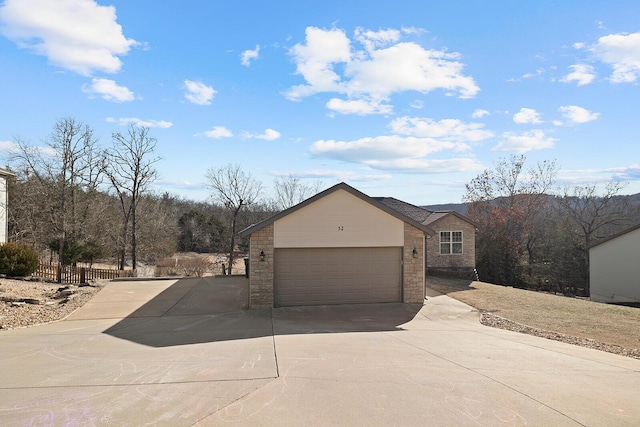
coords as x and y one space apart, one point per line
419 217
420 214
412 211
615 236
437 216
342 186
4 172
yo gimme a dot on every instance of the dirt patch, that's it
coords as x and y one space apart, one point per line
607 327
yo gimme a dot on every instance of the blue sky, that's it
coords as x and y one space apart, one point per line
410 99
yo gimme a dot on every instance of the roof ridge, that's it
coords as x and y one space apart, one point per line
406 203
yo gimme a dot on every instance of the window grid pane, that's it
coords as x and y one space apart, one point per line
450 242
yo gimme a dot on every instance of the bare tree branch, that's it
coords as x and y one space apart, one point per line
290 191
234 189
130 172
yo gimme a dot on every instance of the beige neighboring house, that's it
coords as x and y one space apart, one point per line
614 268
344 247
4 230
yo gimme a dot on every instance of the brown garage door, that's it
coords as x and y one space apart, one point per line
338 276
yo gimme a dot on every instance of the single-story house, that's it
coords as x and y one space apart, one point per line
342 246
614 270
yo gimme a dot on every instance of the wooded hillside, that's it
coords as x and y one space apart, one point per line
76 201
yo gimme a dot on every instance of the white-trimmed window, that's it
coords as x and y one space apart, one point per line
450 242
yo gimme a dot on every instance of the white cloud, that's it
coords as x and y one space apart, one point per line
599 176
524 141
218 132
627 173
333 174
365 150
11 147
396 153
8 147
479 113
77 35
575 115
527 115
125 121
361 107
582 74
330 63
315 59
269 135
198 93
410 148
408 66
340 175
108 90
538 72
418 104
622 52
452 130
462 164
249 55
371 40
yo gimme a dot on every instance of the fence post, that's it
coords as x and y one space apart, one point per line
59 273
83 276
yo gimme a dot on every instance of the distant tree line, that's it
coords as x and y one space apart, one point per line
77 201
532 234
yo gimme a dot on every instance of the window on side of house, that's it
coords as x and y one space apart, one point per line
450 242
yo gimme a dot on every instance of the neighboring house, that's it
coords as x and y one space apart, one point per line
614 270
4 230
342 246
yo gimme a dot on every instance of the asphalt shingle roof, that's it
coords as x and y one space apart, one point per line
407 209
417 216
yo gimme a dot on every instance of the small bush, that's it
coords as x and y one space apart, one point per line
17 259
183 266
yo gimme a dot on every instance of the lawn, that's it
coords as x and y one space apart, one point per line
608 324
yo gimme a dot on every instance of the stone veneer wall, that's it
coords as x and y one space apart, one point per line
261 272
465 260
413 268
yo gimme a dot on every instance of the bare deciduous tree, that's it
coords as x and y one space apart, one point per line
505 202
290 191
130 171
595 214
69 164
234 189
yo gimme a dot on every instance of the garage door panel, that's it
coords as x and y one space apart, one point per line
312 276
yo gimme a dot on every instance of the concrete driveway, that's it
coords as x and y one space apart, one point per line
185 353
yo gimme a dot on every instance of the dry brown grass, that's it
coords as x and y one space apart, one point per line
605 323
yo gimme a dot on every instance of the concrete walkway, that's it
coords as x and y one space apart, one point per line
186 353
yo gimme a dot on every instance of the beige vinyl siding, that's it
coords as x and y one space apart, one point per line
338 220
615 270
